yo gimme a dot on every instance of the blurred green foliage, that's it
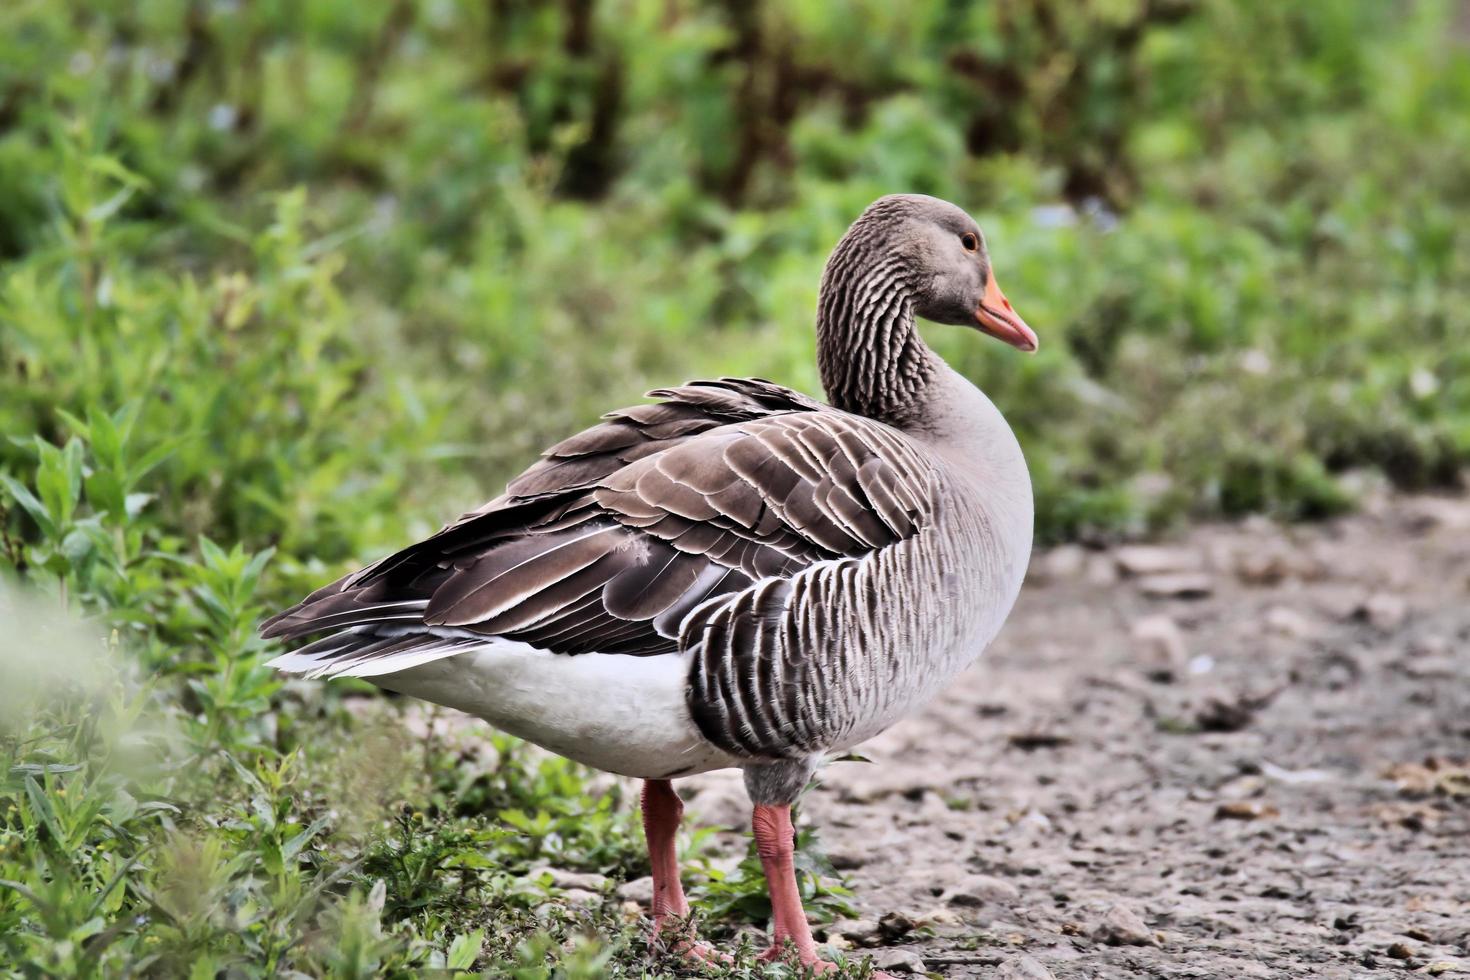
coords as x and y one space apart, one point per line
308 278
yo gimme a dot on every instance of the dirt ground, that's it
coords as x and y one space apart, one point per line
1240 754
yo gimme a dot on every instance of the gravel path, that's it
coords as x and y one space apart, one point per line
1240 755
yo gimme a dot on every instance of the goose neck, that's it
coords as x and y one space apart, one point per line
871 358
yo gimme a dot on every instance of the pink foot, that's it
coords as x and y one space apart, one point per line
675 935
816 966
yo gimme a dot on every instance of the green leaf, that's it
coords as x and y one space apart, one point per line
464 950
32 506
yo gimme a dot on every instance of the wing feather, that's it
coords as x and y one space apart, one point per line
620 536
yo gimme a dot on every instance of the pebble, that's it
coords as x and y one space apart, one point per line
721 803
899 961
1383 610
1160 643
1290 623
580 896
638 890
1022 968
940 917
1144 559
1246 810
1229 711
1121 926
1177 585
1261 567
581 881
977 890
1101 570
895 925
847 859
860 932
1066 561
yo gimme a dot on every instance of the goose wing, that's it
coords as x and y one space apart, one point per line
616 535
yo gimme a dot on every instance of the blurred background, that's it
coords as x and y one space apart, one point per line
313 277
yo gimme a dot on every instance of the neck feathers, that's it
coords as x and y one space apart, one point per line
872 360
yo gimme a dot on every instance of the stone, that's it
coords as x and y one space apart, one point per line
1022 968
1290 623
847 858
564 879
638 890
1383 610
899 961
940 917
859 932
1121 926
1141 560
977 890
1246 810
1177 585
1101 570
895 925
1159 643
1261 567
1064 562
580 896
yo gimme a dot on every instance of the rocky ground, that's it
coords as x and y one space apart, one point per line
1243 754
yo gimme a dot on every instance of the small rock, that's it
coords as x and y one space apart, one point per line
895 925
1022 968
1066 561
1400 951
1290 623
1160 644
721 803
1121 926
898 961
564 879
638 890
939 917
977 890
1202 664
1141 560
1177 585
580 896
881 781
1219 715
1383 610
1242 788
1231 712
1101 570
860 932
847 859
1261 567
1031 741
1246 810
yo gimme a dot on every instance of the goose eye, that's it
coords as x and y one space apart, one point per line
971 243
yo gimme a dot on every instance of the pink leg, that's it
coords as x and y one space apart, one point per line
662 811
775 841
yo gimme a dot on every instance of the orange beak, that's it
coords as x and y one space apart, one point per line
996 318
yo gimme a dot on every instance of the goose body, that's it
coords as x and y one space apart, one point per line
736 575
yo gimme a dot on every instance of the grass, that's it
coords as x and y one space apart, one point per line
283 286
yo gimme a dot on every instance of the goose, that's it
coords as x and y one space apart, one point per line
735 575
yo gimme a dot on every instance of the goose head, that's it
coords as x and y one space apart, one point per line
906 256
949 265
